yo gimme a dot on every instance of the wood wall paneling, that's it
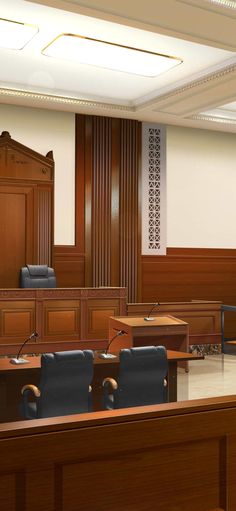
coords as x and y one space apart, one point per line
129 204
88 171
45 225
107 205
26 191
188 274
69 267
107 224
115 203
69 261
101 202
107 249
16 231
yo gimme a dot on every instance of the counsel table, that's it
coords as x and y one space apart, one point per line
13 377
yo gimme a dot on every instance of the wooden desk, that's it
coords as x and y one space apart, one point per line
173 333
13 377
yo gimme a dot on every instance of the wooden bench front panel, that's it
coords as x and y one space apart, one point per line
175 458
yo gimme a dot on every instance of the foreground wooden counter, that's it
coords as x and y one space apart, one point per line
174 457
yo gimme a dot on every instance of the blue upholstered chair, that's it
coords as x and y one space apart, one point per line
37 275
141 378
64 387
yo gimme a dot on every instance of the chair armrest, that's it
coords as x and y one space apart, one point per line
31 388
110 382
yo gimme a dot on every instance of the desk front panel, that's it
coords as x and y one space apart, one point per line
17 320
60 319
64 318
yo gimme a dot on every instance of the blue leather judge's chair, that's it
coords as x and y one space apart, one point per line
141 378
37 275
64 387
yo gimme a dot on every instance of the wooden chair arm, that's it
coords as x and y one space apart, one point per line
113 383
32 388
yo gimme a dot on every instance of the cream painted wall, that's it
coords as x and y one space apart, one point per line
201 176
201 188
45 130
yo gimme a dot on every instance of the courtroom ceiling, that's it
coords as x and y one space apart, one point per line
198 91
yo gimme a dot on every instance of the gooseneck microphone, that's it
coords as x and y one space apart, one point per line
148 318
110 355
21 360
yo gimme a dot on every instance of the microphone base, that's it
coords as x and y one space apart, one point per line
18 361
149 319
107 355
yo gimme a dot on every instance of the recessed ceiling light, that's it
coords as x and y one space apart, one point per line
15 35
116 57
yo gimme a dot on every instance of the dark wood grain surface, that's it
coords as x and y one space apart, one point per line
176 456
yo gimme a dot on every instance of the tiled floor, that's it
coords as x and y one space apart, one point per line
213 376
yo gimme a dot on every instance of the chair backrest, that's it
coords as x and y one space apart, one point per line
64 383
141 376
37 275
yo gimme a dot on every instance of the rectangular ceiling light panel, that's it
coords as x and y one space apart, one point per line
108 55
15 35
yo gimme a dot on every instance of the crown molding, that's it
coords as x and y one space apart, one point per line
195 84
222 7
211 118
62 100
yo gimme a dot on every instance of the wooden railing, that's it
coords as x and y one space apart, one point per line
165 457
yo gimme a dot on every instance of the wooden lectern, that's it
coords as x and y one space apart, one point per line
173 333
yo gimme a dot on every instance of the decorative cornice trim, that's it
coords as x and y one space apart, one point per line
211 5
227 4
50 98
63 100
196 83
211 118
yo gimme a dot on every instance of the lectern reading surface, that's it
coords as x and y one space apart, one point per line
173 333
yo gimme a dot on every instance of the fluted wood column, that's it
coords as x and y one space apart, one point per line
111 194
129 213
101 202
